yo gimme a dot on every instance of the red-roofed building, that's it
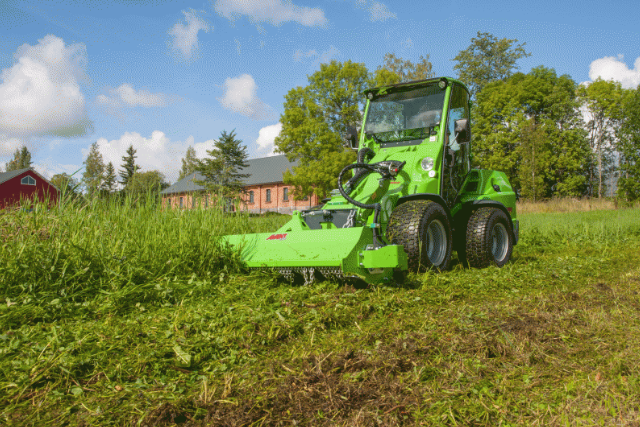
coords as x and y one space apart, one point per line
25 184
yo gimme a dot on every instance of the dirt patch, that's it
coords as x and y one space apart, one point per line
525 325
349 387
602 287
329 389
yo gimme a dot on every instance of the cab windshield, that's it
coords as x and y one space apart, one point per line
410 115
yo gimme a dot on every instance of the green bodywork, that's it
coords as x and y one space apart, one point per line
297 245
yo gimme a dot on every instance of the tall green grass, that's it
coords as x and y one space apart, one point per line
121 313
83 257
595 228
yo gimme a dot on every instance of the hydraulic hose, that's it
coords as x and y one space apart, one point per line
377 207
358 174
388 169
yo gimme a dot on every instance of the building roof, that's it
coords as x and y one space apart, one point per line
6 176
264 170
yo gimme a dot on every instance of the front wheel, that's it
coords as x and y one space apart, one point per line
422 228
489 239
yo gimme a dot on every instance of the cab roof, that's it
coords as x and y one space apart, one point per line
412 84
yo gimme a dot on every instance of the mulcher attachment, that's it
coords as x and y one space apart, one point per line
339 253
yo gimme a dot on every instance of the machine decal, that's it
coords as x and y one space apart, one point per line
277 236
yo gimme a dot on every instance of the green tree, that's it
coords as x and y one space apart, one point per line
629 146
488 59
529 126
222 169
601 100
66 184
109 183
145 183
189 163
407 70
129 166
93 172
314 123
21 159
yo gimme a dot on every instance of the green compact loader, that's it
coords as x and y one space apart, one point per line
411 199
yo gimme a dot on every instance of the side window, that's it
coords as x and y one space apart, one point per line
251 200
285 194
206 200
268 196
181 202
458 109
169 203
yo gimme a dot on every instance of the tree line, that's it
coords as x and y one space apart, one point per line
552 136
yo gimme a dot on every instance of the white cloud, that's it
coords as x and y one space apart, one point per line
126 96
377 11
48 168
408 43
185 37
9 145
241 96
612 68
319 58
273 11
380 12
156 152
40 94
298 55
266 138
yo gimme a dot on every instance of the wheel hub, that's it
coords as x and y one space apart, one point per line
499 242
436 242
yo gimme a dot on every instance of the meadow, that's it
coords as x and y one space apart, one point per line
124 314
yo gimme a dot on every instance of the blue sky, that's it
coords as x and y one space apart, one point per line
163 75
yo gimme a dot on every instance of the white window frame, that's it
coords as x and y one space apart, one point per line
30 180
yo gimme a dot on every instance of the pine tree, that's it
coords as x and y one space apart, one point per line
109 183
14 163
189 163
129 166
221 170
93 173
21 159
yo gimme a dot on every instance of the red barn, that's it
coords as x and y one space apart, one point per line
25 184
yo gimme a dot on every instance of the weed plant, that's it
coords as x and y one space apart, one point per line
119 313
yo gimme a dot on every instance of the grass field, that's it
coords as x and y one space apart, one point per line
127 315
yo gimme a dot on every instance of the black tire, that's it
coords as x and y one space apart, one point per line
489 239
423 228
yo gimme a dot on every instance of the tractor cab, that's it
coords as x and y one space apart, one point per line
434 114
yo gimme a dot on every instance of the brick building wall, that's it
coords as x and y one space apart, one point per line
277 203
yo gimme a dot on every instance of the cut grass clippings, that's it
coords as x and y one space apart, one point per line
550 339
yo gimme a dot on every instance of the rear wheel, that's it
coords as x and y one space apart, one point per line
489 239
423 228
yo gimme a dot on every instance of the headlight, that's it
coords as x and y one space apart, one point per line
427 164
